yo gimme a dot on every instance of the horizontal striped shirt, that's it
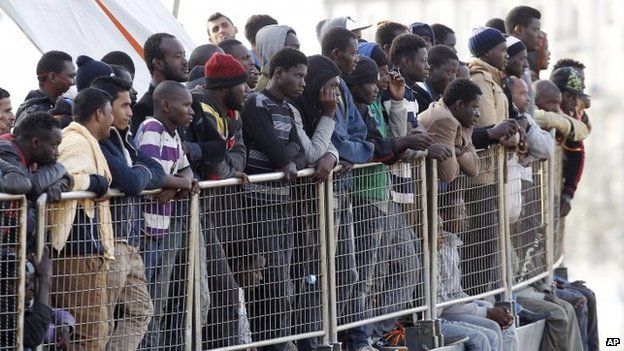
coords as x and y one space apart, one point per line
156 142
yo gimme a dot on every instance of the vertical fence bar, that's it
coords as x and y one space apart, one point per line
503 222
331 261
193 255
21 274
432 213
40 232
550 224
324 268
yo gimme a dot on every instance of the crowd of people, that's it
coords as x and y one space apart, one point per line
229 112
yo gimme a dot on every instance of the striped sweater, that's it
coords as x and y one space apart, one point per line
156 142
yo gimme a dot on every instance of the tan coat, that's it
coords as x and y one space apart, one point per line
568 127
493 106
439 120
81 155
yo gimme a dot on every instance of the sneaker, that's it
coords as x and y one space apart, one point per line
392 340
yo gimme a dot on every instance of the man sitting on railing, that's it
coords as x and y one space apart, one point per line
132 172
478 313
273 145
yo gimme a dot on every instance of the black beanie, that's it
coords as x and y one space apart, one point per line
89 69
483 40
365 72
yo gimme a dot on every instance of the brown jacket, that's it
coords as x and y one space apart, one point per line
439 120
493 106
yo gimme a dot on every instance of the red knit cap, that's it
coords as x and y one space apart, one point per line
224 71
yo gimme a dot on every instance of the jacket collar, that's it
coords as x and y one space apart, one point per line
478 65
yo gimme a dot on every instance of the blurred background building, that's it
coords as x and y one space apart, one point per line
589 31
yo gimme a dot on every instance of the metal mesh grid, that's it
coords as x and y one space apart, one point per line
263 258
12 273
558 222
139 300
469 223
379 243
526 196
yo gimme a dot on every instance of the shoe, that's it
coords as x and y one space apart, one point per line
528 317
392 340
455 340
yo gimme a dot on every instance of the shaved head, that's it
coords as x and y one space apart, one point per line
547 95
169 90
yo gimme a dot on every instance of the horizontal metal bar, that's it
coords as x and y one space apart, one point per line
470 298
382 318
559 262
10 197
271 342
530 281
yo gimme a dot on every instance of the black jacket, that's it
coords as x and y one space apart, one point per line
423 97
35 101
13 180
143 108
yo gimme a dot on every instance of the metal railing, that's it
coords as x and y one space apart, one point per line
247 265
13 284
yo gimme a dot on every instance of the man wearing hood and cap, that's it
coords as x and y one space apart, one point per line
270 40
343 22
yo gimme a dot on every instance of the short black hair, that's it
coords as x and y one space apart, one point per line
36 124
215 16
520 16
336 38
497 23
112 85
52 62
406 44
286 59
87 102
461 89
254 24
151 49
568 62
4 94
120 58
386 32
440 32
228 44
201 54
440 54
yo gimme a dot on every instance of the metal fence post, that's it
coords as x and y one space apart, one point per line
331 261
324 256
192 275
21 274
550 217
503 224
431 247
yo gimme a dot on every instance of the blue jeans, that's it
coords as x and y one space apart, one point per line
507 339
479 338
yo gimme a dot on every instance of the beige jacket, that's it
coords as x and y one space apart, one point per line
81 155
439 120
493 106
566 126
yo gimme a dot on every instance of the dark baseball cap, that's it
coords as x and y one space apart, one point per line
568 79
